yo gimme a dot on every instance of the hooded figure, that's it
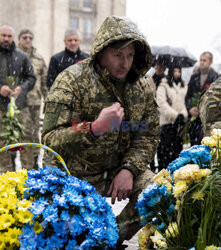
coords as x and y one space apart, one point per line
101 117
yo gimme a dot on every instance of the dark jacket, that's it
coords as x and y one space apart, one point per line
194 85
15 63
61 61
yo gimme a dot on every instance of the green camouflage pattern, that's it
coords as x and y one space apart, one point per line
40 89
210 107
81 92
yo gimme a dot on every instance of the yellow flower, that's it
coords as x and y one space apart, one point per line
172 230
7 204
198 196
204 172
38 228
163 181
164 173
2 241
187 173
209 141
6 220
179 188
23 216
24 204
216 133
178 203
12 235
159 240
212 247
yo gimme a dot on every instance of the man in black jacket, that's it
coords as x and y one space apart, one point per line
71 55
15 66
199 81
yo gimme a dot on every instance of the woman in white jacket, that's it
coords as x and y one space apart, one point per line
173 114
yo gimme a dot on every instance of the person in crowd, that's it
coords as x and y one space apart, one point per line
101 117
14 64
159 73
210 108
71 55
171 95
199 81
34 97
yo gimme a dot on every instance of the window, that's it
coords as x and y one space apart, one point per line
87 4
74 23
74 3
87 26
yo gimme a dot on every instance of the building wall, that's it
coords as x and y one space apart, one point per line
48 19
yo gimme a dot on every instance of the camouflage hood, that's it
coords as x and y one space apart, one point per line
116 29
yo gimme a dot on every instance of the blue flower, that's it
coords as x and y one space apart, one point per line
76 225
38 207
72 244
65 216
199 154
55 242
59 200
60 228
161 226
171 209
50 213
71 212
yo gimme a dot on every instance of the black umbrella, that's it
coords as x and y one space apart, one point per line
171 56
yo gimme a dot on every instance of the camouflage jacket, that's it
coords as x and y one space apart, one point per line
82 91
40 88
210 107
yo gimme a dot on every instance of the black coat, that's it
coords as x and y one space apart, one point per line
194 85
195 129
15 63
61 61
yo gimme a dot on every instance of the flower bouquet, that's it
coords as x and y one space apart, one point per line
49 209
182 208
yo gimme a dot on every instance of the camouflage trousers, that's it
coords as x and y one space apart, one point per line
29 117
128 220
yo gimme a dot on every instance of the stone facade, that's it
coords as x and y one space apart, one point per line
48 19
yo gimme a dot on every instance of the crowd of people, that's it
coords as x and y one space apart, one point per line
104 115
32 79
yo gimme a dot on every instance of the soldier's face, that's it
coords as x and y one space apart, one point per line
26 41
117 61
72 42
6 36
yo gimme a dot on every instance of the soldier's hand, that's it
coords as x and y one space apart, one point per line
194 111
5 91
109 119
121 186
17 91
